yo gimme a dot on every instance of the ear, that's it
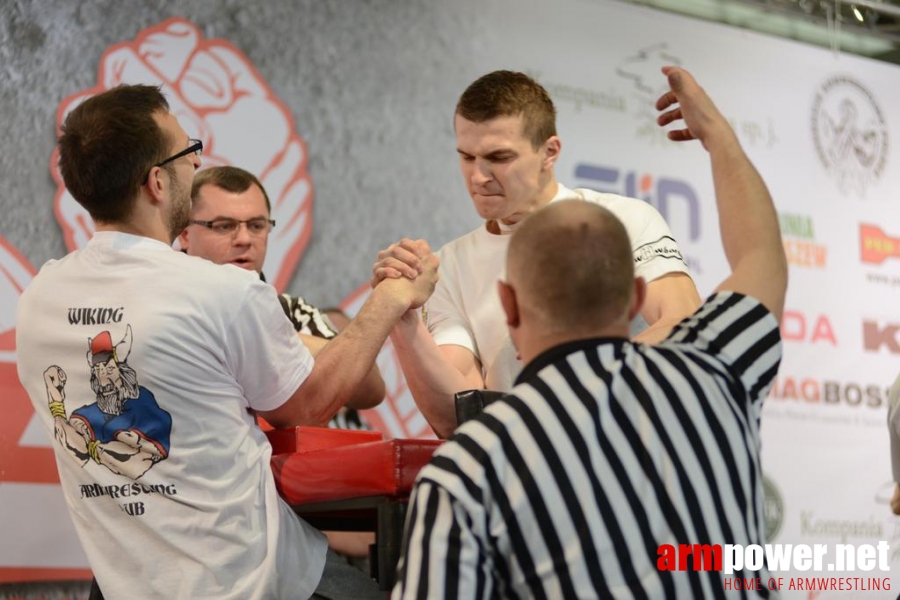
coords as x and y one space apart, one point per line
156 184
183 241
637 297
552 148
509 303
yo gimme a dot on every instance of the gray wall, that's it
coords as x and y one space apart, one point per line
371 86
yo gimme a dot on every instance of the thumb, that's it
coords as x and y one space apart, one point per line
676 79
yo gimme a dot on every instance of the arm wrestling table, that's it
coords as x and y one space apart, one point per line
346 480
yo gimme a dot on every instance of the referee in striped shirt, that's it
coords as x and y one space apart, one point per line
605 450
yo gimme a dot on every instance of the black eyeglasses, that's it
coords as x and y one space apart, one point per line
257 226
194 147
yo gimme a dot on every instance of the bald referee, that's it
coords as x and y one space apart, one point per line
607 450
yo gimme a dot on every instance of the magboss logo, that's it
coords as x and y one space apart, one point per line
834 393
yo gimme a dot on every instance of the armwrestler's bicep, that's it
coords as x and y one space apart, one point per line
468 365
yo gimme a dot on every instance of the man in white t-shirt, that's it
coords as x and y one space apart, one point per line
608 454
146 367
506 138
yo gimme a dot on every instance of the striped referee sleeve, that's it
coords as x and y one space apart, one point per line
738 332
442 557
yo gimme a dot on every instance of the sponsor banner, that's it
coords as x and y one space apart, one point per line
821 138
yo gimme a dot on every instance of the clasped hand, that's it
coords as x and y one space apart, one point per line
410 263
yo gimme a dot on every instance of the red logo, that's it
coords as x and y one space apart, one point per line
32 464
215 92
875 245
797 327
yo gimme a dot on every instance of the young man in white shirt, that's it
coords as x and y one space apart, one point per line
506 139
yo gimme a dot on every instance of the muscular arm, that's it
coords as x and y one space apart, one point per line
344 362
669 299
370 391
434 373
747 218
128 455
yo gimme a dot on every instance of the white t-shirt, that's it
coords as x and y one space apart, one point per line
177 498
465 308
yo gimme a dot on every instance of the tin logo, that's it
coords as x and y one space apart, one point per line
660 192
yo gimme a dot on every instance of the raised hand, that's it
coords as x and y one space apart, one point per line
687 101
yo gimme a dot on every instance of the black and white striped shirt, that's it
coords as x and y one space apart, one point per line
604 451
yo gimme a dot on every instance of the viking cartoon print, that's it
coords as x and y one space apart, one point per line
124 430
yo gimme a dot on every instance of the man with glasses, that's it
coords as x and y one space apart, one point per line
230 224
211 346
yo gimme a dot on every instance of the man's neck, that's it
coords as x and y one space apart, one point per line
533 346
160 235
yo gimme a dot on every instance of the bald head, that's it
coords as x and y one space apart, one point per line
572 269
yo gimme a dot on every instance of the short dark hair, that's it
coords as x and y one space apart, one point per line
108 145
572 265
230 179
507 94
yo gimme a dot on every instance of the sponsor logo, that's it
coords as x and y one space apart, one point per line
772 558
827 392
877 335
799 238
639 73
875 246
842 529
850 134
581 97
669 196
773 505
212 87
798 327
